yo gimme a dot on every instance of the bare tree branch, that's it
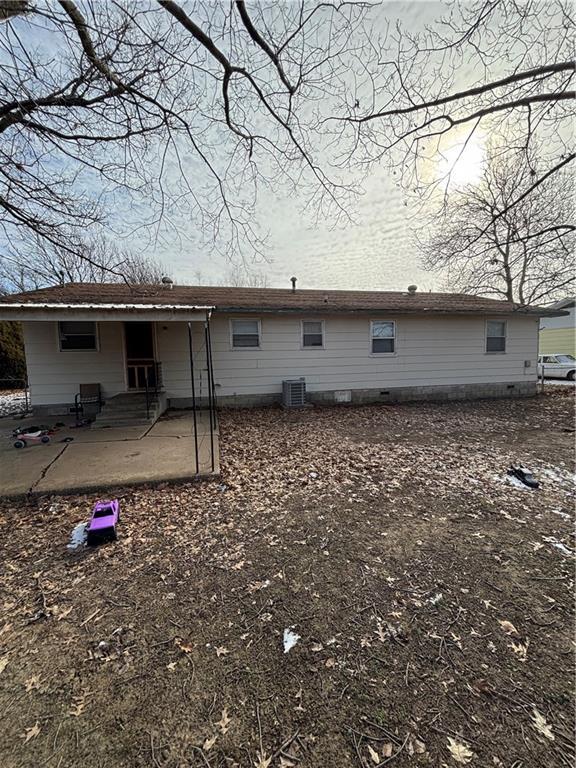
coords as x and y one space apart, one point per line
508 235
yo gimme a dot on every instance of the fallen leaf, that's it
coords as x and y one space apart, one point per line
520 649
5 628
508 627
330 663
263 761
78 704
209 743
221 651
256 586
224 722
3 662
317 647
540 724
374 756
31 732
172 666
32 683
382 633
76 709
460 752
183 646
387 749
286 763
419 746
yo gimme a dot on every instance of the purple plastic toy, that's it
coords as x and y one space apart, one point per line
102 526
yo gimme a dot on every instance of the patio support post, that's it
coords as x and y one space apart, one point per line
210 401
191 352
212 385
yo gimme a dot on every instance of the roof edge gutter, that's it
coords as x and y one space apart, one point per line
101 307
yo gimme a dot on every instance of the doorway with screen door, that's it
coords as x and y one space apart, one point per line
140 361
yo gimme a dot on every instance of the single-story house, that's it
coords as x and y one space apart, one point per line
558 334
240 344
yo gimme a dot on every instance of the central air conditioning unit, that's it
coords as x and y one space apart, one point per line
294 393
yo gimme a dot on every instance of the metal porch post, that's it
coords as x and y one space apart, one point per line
191 352
210 385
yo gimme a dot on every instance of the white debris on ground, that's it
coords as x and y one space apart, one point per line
290 639
517 483
12 403
559 545
559 475
78 536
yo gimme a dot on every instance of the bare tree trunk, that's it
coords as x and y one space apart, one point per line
507 271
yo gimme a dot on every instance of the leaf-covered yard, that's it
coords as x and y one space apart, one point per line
433 601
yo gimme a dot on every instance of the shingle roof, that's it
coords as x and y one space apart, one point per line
267 299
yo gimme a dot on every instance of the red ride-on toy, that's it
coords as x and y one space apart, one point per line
25 438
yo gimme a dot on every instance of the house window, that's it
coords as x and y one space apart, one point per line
496 336
245 333
312 333
383 336
77 335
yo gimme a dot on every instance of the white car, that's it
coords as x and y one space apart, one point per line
557 366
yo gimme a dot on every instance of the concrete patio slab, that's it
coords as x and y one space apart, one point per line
106 458
20 469
180 424
107 434
91 466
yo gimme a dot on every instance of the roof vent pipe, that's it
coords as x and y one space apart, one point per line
293 281
412 289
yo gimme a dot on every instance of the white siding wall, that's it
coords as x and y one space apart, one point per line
172 350
429 351
54 376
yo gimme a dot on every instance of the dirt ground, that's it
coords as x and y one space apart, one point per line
433 601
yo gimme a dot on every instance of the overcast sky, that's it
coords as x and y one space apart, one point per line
376 252
375 249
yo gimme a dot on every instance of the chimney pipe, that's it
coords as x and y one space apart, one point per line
412 289
293 281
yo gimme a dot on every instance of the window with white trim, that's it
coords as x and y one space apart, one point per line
383 336
312 333
496 336
75 334
245 333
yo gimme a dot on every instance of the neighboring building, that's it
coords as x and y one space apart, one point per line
558 334
350 346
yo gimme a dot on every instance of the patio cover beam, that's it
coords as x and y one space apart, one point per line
104 312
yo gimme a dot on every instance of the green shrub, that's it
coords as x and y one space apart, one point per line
12 359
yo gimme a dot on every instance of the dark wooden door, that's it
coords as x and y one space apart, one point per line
140 363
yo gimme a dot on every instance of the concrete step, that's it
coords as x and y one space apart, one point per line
117 403
122 423
153 413
128 407
132 411
129 410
